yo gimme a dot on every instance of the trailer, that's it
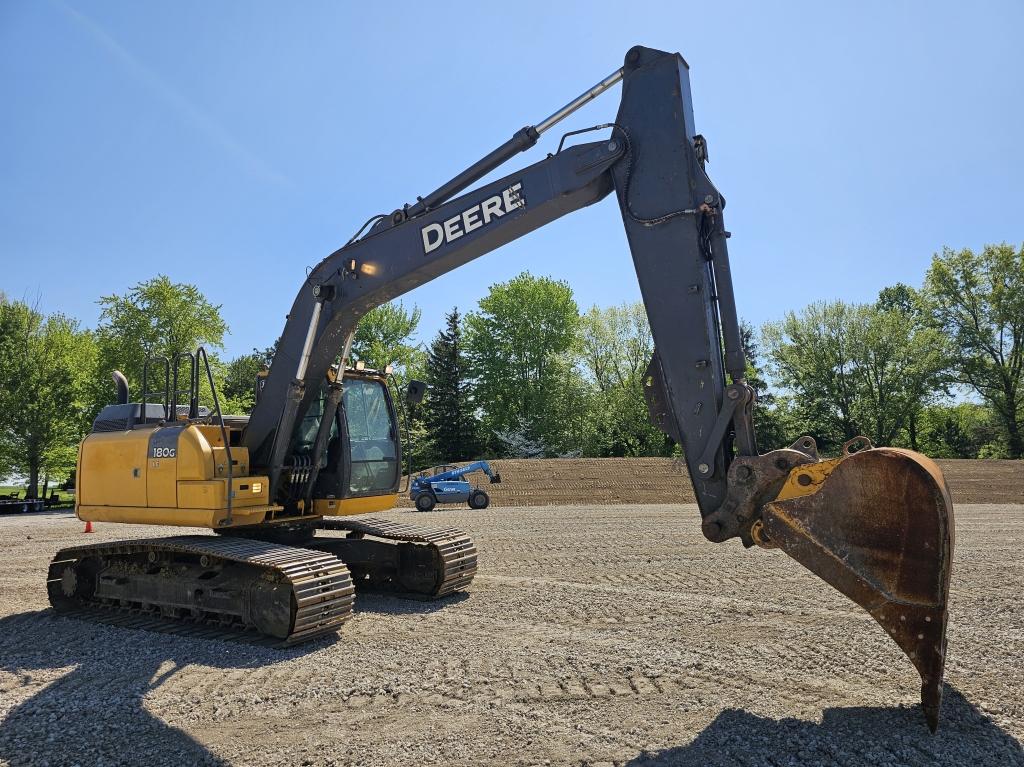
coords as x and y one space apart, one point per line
21 505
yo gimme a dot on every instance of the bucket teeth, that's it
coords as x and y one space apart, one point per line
878 526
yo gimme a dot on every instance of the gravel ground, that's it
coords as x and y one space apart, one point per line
592 635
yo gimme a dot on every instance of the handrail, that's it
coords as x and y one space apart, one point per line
201 352
145 385
193 384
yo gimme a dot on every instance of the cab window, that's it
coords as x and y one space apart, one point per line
371 436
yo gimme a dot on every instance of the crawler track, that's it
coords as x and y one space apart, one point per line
450 567
206 586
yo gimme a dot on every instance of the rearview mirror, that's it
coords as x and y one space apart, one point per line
414 392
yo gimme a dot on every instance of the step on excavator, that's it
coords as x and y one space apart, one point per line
287 488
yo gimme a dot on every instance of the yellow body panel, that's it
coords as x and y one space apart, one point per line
161 482
212 435
142 515
343 507
113 465
195 455
167 476
177 475
212 493
239 461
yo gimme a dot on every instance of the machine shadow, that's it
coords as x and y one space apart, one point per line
849 736
383 603
95 713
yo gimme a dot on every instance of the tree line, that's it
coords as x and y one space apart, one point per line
938 368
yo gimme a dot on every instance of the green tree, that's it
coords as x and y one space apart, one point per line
964 430
899 363
615 349
156 317
772 424
811 355
906 301
384 335
238 382
855 369
900 298
6 459
45 366
977 299
448 412
521 345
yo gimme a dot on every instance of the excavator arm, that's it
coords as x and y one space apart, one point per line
876 524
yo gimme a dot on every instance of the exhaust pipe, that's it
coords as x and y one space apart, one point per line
122 387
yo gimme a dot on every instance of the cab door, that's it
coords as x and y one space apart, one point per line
371 433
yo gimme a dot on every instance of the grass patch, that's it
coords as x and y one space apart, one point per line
65 496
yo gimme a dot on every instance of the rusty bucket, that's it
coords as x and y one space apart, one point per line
877 524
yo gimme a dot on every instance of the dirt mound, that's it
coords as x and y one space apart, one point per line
984 481
589 481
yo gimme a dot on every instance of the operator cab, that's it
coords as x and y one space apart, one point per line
363 456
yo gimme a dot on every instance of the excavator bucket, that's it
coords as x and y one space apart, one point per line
877 524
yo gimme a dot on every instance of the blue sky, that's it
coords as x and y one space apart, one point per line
233 144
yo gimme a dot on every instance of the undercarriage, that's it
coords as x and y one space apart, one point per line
256 590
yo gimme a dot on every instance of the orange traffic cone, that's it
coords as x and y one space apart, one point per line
88 526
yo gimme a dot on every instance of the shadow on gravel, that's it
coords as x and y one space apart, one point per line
856 736
60 511
95 713
382 603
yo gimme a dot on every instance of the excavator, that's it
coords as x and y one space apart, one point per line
287 489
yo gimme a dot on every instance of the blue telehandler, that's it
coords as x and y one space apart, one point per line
447 485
